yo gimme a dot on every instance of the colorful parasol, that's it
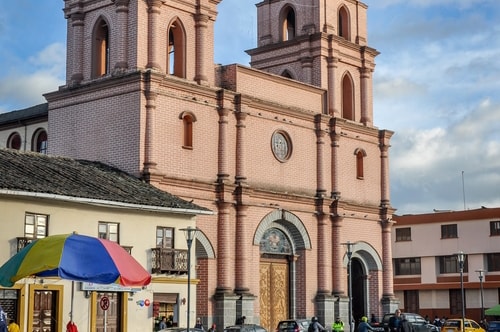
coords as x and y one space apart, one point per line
75 257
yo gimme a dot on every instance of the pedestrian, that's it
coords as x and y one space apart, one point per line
163 323
213 328
198 324
3 320
315 325
405 325
338 325
13 327
364 326
373 319
394 321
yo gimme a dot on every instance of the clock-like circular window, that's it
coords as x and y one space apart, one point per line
281 145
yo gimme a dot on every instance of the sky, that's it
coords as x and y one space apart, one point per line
436 85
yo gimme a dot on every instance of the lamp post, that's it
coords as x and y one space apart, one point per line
190 233
349 246
460 260
481 274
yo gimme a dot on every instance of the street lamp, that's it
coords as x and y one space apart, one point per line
349 246
460 259
481 274
190 233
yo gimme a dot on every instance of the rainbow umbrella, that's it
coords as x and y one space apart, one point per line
75 257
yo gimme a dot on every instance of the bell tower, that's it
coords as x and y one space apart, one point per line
322 43
113 37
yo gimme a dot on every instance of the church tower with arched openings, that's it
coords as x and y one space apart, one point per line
284 154
322 43
116 36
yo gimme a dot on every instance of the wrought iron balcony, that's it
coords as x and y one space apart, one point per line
167 260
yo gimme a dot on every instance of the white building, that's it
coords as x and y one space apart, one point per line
426 272
42 195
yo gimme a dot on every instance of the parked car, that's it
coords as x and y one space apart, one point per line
455 325
494 326
293 325
181 329
419 323
377 327
245 328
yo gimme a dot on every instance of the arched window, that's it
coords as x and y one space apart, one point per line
39 141
347 97
288 24
176 50
188 119
100 49
14 141
360 155
344 30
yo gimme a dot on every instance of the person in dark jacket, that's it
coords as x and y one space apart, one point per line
394 321
315 325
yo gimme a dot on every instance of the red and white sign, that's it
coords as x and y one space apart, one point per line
104 303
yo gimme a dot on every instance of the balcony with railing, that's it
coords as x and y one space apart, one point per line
168 260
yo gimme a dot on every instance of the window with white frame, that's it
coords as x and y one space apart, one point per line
109 231
35 225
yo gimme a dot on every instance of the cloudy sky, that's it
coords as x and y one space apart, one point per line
436 84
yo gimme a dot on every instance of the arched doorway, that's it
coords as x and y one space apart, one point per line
358 290
275 249
282 238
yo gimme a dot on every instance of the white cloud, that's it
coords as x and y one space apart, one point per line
25 85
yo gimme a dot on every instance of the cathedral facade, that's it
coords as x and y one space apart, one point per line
285 152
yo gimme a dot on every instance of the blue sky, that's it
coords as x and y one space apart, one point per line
436 84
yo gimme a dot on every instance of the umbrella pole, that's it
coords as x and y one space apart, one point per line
72 298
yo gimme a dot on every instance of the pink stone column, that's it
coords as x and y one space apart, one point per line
222 150
225 253
122 40
150 125
77 22
387 273
324 252
320 148
153 31
337 254
201 37
242 262
240 152
365 114
335 137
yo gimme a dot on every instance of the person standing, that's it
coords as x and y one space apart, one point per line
199 325
213 328
13 327
364 326
394 321
315 325
338 325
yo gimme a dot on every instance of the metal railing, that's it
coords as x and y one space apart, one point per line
167 260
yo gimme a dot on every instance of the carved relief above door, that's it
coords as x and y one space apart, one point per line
274 292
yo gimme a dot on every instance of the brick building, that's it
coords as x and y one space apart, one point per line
285 152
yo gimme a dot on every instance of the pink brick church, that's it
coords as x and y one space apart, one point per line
285 153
